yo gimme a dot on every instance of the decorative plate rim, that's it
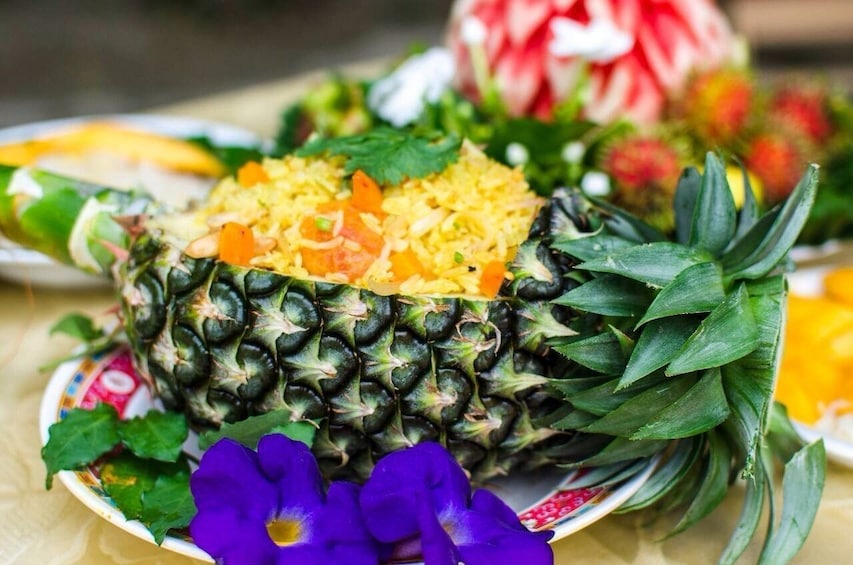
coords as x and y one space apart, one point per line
72 379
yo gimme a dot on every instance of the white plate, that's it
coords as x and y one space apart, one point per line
544 500
30 267
809 283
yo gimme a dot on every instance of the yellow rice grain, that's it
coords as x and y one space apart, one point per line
476 209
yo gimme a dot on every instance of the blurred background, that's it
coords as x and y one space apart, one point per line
62 58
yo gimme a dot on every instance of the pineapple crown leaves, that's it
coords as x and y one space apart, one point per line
683 363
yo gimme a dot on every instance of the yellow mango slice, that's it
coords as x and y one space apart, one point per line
169 153
839 285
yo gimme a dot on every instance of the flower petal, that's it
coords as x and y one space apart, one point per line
231 538
229 477
390 499
292 468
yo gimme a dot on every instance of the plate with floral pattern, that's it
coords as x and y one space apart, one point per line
548 499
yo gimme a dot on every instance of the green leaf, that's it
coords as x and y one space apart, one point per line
714 216
156 435
748 214
623 449
747 525
700 409
802 486
588 248
698 288
601 353
78 326
249 431
728 333
169 504
714 485
298 431
636 412
574 420
608 474
232 157
666 477
126 477
684 205
79 439
781 235
627 225
389 155
609 295
656 264
659 341
605 398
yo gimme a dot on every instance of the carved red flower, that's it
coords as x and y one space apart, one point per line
632 52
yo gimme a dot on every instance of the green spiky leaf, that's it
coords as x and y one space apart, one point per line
592 247
656 264
627 225
601 353
804 476
774 244
623 449
684 205
79 439
747 525
698 288
659 341
609 295
714 215
667 476
636 412
604 398
727 334
748 214
714 485
609 474
700 409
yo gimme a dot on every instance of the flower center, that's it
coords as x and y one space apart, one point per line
284 532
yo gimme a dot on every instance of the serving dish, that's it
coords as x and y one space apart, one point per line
549 499
30 267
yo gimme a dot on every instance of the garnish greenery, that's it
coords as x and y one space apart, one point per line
95 339
141 461
388 155
232 157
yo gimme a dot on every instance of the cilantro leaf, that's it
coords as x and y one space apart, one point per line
126 478
156 435
169 504
389 155
249 431
79 439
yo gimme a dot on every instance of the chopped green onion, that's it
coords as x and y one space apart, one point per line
458 257
323 224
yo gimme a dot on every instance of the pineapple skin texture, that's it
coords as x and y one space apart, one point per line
379 373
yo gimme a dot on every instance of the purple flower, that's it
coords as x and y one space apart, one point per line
271 507
420 500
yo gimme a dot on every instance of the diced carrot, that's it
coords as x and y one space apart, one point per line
405 264
492 278
251 174
366 194
236 244
359 245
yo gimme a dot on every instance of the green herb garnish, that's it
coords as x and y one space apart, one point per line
389 156
323 224
458 257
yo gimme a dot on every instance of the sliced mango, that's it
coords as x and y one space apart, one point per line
839 285
169 153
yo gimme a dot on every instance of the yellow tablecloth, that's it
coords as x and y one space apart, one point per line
46 527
